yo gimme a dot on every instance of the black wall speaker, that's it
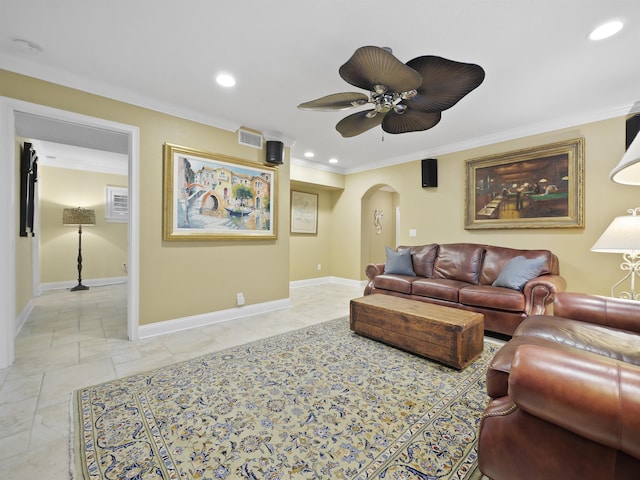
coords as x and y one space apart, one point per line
633 126
429 172
275 152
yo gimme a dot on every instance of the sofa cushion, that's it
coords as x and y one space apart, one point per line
496 258
423 258
610 342
518 271
459 261
492 297
395 283
398 262
440 288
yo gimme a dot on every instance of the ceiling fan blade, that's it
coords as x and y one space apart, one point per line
370 66
444 82
336 101
358 123
409 121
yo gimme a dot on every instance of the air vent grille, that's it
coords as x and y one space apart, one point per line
250 139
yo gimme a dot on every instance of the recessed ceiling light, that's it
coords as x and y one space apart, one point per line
309 154
225 80
606 30
333 160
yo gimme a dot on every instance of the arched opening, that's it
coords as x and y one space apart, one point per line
379 215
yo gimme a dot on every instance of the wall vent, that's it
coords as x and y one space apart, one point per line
250 139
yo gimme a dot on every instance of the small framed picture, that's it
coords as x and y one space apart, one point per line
304 212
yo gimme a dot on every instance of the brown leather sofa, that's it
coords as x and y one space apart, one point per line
462 275
566 395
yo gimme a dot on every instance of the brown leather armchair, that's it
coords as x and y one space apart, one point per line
566 395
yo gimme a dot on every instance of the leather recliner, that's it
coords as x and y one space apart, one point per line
566 395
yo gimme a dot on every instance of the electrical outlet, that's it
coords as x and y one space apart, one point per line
319 267
240 299
412 232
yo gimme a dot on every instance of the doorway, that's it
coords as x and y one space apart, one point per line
10 111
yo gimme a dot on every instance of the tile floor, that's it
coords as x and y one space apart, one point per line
74 339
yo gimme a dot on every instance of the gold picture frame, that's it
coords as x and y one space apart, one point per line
539 187
209 196
304 212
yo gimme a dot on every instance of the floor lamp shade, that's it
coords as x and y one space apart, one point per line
627 171
79 217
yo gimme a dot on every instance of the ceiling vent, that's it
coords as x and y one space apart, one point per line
249 139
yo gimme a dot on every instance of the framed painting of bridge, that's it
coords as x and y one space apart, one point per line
208 196
539 187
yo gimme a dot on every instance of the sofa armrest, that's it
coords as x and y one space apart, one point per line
540 292
590 395
374 269
606 311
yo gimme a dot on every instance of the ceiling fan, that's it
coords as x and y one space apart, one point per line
405 97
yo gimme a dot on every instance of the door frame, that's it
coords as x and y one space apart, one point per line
8 214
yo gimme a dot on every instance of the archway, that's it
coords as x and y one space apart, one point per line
379 214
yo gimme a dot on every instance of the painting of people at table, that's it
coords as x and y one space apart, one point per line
534 188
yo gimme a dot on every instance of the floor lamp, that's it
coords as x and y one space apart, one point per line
623 236
78 217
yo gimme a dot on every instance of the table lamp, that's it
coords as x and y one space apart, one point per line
623 236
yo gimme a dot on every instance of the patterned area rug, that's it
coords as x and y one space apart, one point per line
317 403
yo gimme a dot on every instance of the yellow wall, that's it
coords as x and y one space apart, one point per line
438 213
307 251
104 246
179 279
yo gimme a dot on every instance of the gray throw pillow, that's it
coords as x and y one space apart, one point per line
518 271
398 262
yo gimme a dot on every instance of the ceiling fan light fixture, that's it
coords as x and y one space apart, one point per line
400 108
380 89
408 95
405 97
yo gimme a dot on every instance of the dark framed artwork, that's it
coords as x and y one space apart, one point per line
209 196
28 179
539 187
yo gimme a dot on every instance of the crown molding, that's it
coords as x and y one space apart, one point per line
66 79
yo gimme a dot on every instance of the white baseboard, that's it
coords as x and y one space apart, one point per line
323 280
185 323
23 315
96 282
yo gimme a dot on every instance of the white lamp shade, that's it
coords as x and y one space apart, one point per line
627 171
623 235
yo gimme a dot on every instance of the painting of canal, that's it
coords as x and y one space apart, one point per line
210 196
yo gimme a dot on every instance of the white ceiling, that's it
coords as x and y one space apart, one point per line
542 72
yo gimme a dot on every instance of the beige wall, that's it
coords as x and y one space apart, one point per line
179 279
438 213
307 251
104 246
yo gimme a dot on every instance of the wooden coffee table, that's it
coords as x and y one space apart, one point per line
449 335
